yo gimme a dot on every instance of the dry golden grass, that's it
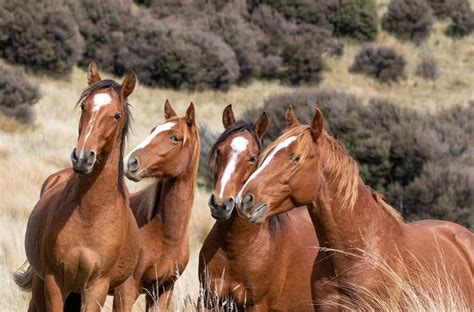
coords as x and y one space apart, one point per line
28 154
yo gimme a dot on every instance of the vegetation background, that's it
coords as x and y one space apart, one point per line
395 80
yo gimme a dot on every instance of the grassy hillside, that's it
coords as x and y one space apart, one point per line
28 154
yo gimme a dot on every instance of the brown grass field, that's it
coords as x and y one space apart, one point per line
28 154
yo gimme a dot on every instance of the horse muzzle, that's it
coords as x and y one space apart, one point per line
84 162
246 209
221 211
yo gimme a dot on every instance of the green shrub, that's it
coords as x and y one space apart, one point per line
462 24
446 8
408 20
170 55
356 19
17 95
103 25
381 62
427 68
42 35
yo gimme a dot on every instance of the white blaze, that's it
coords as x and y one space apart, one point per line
150 137
100 100
239 145
266 162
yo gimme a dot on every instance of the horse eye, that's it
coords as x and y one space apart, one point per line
117 116
174 139
296 157
82 106
252 159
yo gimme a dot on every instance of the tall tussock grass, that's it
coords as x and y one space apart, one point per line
423 289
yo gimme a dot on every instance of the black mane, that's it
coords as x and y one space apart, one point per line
111 84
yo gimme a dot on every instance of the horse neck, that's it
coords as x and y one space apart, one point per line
237 234
173 206
101 187
349 228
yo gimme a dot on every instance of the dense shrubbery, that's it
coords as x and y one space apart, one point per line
103 25
446 8
427 68
380 62
408 19
168 54
41 35
462 24
17 95
401 153
356 19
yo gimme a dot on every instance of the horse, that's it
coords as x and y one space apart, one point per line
81 236
170 155
355 226
256 267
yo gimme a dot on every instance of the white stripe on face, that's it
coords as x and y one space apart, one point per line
150 137
100 100
239 145
266 162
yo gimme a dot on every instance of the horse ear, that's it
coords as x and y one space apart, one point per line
291 120
317 125
169 111
190 114
128 84
93 73
228 118
261 125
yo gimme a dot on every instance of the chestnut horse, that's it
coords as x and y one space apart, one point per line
306 166
256 267
81 236
170 154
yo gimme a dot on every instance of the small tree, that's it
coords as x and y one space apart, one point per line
381 62
17 95
356 19
42 35
408 20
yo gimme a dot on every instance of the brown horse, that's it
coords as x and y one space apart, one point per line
306 166
81 236
256 267
170 154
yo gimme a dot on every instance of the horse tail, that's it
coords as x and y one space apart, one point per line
24 278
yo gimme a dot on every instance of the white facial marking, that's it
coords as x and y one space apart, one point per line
239 145
150 137
100 100
266 162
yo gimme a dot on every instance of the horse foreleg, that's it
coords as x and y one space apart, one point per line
52 293
94 295
125 295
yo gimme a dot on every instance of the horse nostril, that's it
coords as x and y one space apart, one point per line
248 201
74 156
212 201
229 203
91 158
133 164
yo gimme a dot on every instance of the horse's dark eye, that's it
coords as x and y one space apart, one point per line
296 157
252 159
82 106
117 116
174 139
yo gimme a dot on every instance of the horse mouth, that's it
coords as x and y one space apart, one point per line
82 171
221 216
259 212
136 176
